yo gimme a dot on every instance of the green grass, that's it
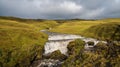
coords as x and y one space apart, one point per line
38 23
75 27
21 42
46 24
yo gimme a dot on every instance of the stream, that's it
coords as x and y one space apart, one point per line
58 41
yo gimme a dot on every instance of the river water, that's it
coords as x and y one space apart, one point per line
58 41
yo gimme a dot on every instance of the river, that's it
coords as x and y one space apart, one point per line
58 41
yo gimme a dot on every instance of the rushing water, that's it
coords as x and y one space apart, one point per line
61 45
57 41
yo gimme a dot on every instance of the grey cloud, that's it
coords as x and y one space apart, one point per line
60 9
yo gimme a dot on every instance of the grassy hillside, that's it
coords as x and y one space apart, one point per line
110 31
39 23
91 28
21 42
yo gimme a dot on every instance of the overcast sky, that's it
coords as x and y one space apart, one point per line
60 9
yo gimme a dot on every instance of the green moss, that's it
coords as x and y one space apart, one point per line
57 55
75 46
74 50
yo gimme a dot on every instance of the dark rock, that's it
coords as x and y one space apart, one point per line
90 43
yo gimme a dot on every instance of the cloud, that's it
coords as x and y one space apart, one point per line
60 9
92 13
70 7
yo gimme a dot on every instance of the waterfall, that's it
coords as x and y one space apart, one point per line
51 46
57 41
